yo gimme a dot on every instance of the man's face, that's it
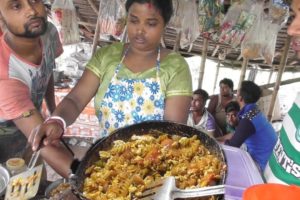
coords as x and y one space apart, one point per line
24 18
225 90
232 118
294 28
197 103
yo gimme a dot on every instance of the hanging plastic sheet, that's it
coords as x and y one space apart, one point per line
190 23
238 20
254 40
260 41
210 16
176 19
65 19
112 18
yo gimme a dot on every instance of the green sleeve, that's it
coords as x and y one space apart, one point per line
105 59
177 77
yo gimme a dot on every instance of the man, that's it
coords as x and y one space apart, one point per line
217 103
284 164
199 117
232 109
253 129
232 120
29 47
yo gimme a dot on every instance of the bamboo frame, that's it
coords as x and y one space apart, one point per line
281 69
243 71
203 60
97 32
216 76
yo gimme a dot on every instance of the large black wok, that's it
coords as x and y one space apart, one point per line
153 127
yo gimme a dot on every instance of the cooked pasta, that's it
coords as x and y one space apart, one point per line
124 171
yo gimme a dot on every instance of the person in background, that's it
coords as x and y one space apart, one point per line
199 117
253 128
232 109
284 164
131 82
218 102
29 46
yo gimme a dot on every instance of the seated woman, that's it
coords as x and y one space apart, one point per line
199 117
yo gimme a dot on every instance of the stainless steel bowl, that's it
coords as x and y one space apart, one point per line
4 178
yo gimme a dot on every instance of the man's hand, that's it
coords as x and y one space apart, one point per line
45 134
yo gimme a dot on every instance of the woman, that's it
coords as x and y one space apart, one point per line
131 82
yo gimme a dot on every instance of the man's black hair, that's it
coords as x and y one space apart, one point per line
232 106
165 7
227 81
203 93
250 92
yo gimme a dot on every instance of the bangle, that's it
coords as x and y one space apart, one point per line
58 120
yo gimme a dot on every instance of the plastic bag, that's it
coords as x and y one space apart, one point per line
65 19
268 49
112 18
254 40
175 21
239 19
190 24
279 12
210 16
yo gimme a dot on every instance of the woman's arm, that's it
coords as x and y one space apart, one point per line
177 108
73 104
49 96
69 109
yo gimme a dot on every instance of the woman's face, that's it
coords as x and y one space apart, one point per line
145 26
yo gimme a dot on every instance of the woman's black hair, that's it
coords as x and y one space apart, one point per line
165 7
250 92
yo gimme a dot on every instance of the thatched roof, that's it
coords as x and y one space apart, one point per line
87 11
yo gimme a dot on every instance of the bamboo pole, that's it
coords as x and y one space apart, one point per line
285 82
243 71
203 59
97 31
279 76
270 75
177 42
216 76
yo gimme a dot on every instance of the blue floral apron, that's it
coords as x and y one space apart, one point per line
129 101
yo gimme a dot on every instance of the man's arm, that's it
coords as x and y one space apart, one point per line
50 96
211 108
56 156
243 131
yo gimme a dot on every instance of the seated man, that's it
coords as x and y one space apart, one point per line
232 109
218 102
199 117
254 129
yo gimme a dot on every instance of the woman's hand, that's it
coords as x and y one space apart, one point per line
45 134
